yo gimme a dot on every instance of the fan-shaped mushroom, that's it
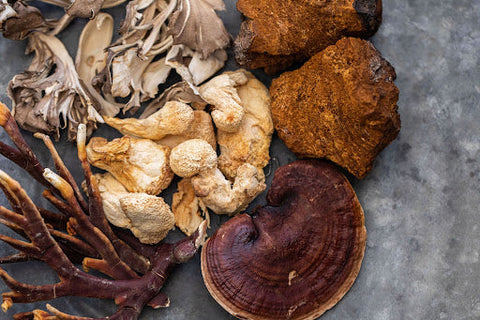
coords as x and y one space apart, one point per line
294 258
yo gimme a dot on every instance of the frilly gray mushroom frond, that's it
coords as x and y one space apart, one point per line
49 95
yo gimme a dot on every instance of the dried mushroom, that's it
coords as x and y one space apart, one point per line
49 94
180 91
251 143
191 67
294 258
18 20
91 58
147 47
133 274
188 209
173 119
173 124
151 218
221 93
277 33
197 160
348 111
201 128
196 25
84 8
140 165
148 217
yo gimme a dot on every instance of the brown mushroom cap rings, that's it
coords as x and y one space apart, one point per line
294 258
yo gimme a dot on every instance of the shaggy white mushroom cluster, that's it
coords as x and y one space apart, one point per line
179 139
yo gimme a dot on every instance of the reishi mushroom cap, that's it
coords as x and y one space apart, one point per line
294 258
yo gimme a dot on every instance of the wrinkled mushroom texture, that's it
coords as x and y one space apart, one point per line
251 143
49 95
6 12
174 118
201 128
297 256
192 67
155 74
84 8
148 217
180 91
197 160
18 20
188 209
140 165
192 157
221 93
130 68
151 218
127 76
196 25
91 57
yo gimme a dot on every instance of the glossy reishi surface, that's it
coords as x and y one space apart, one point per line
295 257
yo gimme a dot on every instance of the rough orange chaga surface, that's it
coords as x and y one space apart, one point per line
341 105
276 33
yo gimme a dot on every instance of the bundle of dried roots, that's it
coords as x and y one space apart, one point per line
136 272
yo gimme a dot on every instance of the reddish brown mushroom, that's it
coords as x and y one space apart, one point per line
294 258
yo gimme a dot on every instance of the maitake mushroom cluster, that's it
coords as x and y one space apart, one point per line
156 37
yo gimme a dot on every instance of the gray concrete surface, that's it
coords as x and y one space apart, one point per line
421 200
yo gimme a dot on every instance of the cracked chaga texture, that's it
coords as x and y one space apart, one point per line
277 33
341 105
294 258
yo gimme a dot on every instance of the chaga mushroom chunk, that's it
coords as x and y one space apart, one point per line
277 33
340 105
294 258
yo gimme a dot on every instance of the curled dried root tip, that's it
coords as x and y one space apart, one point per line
6 304
4 114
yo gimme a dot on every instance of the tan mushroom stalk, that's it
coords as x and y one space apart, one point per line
50 91
140 165
188 209
173 119
294 258
148 217
251 142
221 93
197 160
91 58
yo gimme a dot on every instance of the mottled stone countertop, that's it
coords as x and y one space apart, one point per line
421 200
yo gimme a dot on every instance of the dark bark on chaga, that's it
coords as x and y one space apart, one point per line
341 105
277 33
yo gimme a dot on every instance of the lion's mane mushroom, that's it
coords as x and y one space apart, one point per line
294 258
196 159
251 143
147 216
140 165
221 93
